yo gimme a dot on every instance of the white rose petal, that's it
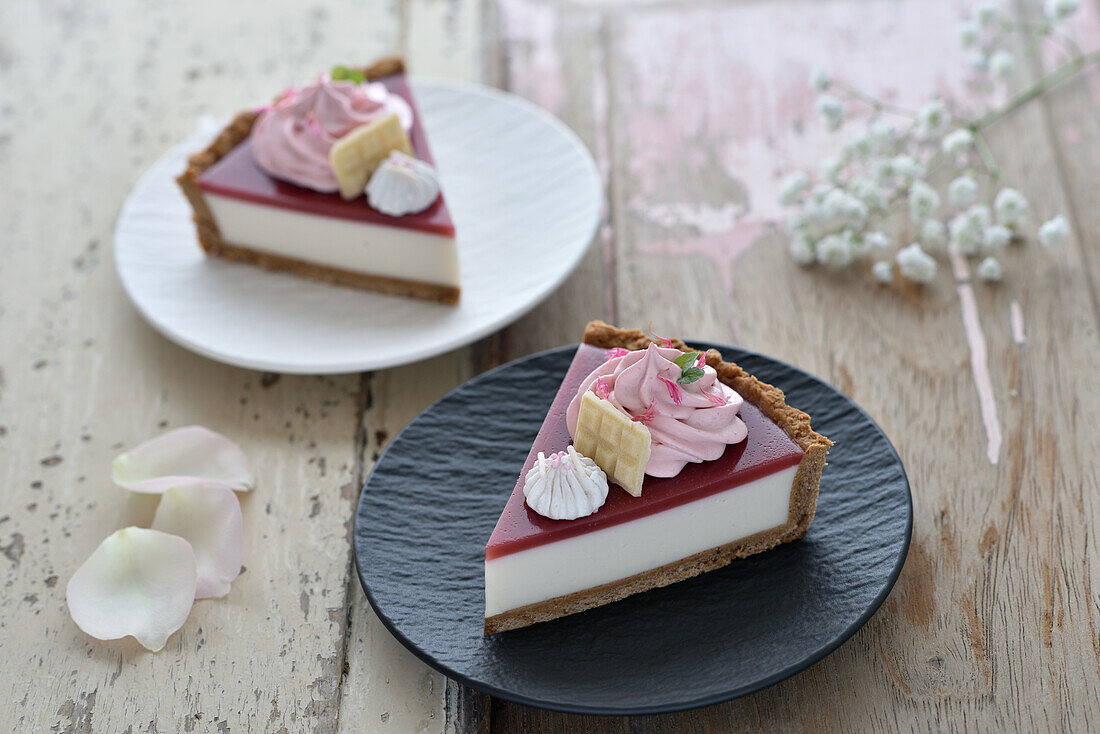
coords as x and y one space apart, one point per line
916 264
990 270
191 455
209 518
137 582
1054 232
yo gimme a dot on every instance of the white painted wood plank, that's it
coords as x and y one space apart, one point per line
89 96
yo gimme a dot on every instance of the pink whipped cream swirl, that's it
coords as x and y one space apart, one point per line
687 423
291 139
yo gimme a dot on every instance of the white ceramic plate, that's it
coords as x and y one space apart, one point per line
525 197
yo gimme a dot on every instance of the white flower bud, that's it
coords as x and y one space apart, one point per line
916 264
883 271
968 32
908 167
923 201
792 188
1056 10
996 237
968 229
831 166
1001 64
869 192
933 232
882 134
978 60
831 110
957 142
802 250
861 147
990 270
885 171
985 13
1011 207
877 242
834 251
1054 232
932 118
820 80
962 192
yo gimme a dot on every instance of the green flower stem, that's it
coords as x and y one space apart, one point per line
1052 79
875 104
985 153
1045 30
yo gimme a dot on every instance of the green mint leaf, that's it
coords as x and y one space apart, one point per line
343 73
690 375
685 360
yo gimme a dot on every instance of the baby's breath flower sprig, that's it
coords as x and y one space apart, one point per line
840 215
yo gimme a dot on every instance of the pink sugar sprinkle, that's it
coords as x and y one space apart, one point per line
662 339
673 389
601 389
716 399
617 352
702 362
649 414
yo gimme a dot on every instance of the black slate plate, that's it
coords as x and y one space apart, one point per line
436 493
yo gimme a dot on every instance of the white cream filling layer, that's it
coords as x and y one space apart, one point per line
339 243
620 551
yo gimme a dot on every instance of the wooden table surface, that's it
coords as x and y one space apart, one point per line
693 111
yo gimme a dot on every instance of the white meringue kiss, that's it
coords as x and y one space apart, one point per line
184 456
209 518
565 485
402 185
138 582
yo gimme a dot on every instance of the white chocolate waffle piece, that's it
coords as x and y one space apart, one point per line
618 445
355 156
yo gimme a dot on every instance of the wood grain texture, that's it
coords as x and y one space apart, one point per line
694 112
83 379
385 688
989 626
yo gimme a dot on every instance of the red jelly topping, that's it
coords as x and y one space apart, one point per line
237 176
767 449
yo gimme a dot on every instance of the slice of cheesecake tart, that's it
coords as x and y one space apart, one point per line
333 181
655 463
